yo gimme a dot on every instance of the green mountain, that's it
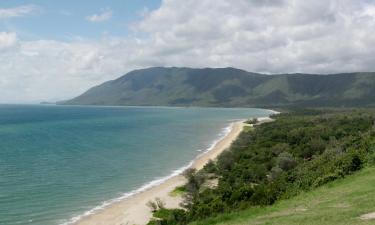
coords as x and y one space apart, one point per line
230 87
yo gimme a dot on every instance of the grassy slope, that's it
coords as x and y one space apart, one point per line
340 202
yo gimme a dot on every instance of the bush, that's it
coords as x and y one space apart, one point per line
210 167
169 217
242 194
371 158
275 173
160 203
286 161
252 121
156 205
195 180
352 161
152 205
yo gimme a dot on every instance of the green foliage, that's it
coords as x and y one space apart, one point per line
194 181
252 121
168 217
160 203
180 190
336 203
156 205
230 87
210 167
152 205
295 153
285 161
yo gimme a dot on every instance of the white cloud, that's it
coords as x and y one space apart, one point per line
273 36
104 16
263 36
7 40
19 11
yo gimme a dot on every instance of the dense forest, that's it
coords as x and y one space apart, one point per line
298 152
230 87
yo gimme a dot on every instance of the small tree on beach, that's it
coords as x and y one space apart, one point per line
156 205
152 205
252 121
210 167
195 180
160 203
189 173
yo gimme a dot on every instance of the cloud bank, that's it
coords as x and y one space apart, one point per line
271 36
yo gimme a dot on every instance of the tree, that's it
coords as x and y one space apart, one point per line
286 161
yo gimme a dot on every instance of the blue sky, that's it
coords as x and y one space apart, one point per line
64 20
53 50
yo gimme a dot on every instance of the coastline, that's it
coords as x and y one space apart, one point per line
132 209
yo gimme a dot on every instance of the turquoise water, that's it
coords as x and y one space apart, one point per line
58 162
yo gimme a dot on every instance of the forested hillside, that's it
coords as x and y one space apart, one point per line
296 153
230 87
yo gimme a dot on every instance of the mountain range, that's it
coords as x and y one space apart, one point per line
230 87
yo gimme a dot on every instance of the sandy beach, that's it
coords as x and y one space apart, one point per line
133 210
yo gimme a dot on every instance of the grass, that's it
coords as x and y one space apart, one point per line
247 128
340 202
178 191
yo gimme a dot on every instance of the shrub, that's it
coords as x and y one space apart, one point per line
169 217
160 203
152 205
275 173
210 167
286 161
252 121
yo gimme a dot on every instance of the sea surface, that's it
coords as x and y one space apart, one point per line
58 163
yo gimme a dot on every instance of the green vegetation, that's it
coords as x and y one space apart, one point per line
296 153
339 202
156 206
178 191
252 121
230 87
248 128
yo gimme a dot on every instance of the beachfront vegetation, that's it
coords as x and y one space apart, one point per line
344 201
252 121
156 206
178 191
296 153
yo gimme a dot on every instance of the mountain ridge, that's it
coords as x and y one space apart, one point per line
230 87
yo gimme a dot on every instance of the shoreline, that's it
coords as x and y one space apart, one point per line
132 209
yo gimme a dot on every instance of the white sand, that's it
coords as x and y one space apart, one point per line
133 210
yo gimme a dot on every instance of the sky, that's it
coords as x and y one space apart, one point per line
55 50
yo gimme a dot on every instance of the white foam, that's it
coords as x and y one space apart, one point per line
126 195
224 132
273 112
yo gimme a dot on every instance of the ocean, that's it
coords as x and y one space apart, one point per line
58 163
